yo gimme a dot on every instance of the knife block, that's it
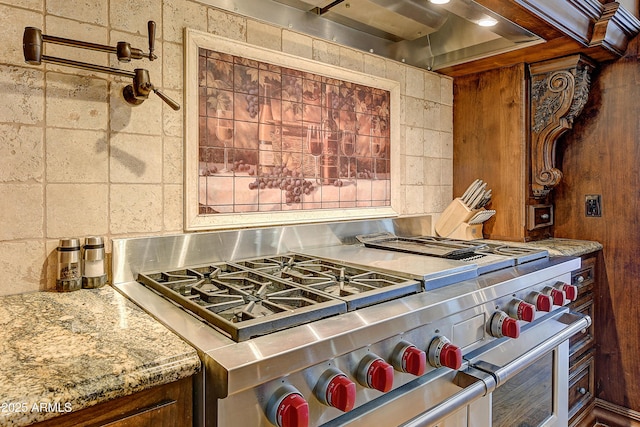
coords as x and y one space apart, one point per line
466 231
452 219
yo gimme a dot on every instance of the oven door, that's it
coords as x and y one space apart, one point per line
531 372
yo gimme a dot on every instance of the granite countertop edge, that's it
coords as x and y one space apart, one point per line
64 352
558 246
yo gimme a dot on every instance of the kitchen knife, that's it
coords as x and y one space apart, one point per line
486 199
476 196
468 191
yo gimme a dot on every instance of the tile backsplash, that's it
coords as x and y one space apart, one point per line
76 160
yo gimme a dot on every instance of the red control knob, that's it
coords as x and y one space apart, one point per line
510 328
288 408
501 325
410 359
570 291
521 310
442 353
335 389
373 372
540 301
557 296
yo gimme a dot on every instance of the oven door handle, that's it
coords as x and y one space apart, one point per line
476 384
575 322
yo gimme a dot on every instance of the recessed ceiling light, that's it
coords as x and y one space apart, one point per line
487 22
439 1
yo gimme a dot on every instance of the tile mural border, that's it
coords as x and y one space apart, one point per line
194 219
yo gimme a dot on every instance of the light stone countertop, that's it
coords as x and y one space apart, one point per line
62 352
558 246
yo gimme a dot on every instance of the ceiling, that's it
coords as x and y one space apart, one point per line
415 32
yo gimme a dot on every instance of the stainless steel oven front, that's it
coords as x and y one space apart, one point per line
508 383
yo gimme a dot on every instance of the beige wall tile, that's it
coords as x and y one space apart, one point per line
227 25
21 212
76 210
414 141
172 64
415 79
132 16
21 153
264 35
173 221
136 158
76 102
397 72
415 170
351 59
136 208
172 121
172 161
414 202
91 11
145 118
446 118
437 198
414 112
433 170
12 29
178 14
36 5
431 115
433 87
25 103
297 44
72 29
447 144
446 90
77 156
326 52
375 65
432 143
21 266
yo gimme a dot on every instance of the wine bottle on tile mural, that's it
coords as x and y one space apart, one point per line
265 133
331 137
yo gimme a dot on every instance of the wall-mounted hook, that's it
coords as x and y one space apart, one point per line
134 94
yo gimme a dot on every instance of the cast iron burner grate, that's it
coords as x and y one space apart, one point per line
258 296
241 302
357 286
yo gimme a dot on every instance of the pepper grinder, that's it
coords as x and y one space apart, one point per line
68 276
93 275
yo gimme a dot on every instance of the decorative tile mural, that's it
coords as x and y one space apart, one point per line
272 138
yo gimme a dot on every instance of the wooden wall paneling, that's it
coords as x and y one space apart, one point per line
490 118
601 156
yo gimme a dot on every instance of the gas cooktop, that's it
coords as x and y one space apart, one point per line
258 296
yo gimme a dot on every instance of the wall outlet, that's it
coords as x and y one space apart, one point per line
593 205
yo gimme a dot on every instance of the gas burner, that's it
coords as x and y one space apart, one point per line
520 253
358 287
243 303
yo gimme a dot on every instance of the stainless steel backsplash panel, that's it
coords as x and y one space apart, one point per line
133 255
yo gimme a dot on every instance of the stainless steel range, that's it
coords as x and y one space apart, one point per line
357 322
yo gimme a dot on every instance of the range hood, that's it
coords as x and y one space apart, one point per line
416 32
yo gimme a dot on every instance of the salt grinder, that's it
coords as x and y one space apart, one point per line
68 276
93 275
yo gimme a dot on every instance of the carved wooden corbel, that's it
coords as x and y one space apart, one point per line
559 92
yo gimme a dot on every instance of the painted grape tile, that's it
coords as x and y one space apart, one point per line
273 138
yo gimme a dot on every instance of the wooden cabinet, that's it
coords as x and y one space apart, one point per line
582 345
169 405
